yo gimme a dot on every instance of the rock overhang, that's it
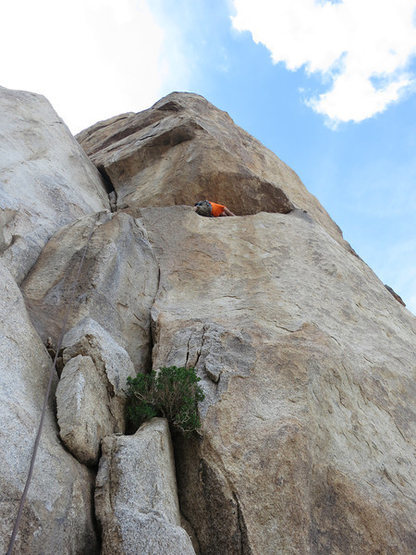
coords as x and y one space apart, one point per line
183 149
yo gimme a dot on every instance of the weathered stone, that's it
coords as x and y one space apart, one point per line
46 179
309 366
136 499
116 288
307 361
61 489
183 149
395 295
83 409
88 338
90 396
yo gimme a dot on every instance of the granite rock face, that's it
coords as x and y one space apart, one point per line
136 499
46 179
184 149
88 338
307 361
61 488
308 364
83 411
118 282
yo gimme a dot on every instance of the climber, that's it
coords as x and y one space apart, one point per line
212 209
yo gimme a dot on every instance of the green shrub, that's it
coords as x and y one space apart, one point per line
172 393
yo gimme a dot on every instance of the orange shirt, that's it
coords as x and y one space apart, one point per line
217 209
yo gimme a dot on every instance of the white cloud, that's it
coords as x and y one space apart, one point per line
363 47
91 58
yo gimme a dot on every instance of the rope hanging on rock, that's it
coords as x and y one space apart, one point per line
48 390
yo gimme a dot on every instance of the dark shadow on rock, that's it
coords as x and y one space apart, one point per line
207 501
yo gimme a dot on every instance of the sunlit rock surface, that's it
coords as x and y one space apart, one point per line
184 149
61 488
308 364
46 180
136 499
307 361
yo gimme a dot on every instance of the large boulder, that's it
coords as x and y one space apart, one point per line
116 288
309 368
136 500
91 393
83 410
61 488
184 149
46 179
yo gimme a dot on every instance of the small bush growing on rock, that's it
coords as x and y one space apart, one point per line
172 393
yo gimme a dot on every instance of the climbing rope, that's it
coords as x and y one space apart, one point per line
48 390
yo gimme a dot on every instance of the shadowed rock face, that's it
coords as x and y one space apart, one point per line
61 489
116 288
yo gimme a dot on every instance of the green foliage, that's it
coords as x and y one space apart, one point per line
172 393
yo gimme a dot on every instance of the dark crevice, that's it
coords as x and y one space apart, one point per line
226 188
245 548
109 187
96 524
130 428
206 500
153 327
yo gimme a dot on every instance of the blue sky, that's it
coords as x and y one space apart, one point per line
328 86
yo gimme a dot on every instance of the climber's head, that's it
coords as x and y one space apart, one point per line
203 208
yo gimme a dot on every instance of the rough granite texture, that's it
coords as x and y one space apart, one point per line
118 282
308 364
136 500
61 488
307 361
46 180
184 149
90 396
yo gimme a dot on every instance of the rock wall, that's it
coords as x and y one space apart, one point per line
62 489
307 361
183 149
46 179
116 288
308 366
136 496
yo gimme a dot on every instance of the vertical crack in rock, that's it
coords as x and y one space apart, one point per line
109 187
109 461
206 499
136 494
245 548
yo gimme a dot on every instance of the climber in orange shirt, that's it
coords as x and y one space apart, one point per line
212 209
